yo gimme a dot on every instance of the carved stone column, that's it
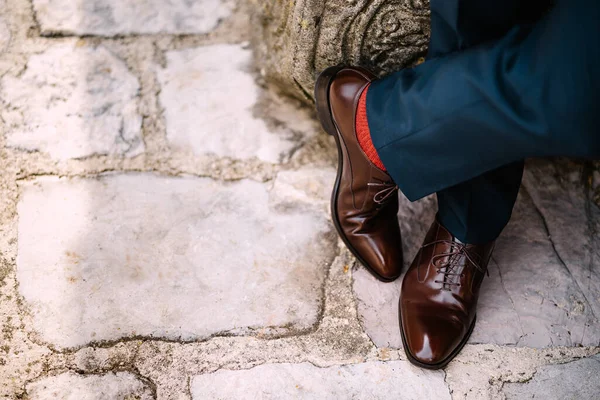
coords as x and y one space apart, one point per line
298 38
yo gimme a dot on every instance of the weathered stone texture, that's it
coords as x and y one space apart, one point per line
563 197
308 186
575 380
371 380
71 386
178 258
299 39
123 17
73 102
543 286
209 95
4 34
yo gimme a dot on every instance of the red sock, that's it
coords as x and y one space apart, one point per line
362 131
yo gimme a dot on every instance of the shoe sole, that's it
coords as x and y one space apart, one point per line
322 86
446 360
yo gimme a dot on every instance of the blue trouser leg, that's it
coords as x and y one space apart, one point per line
461 124
456 25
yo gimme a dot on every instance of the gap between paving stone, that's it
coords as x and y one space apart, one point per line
478 372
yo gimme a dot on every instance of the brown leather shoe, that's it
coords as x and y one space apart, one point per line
439 296
364 203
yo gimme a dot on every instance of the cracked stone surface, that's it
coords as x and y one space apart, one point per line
574 380
395 379
178 258
149 250
73 101
210 89
483 374
70 386
543 287
124 17
572 222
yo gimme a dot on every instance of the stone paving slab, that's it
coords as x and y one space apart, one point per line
71 386
370 380
124 17
535 296
178 258
209 98
577 380
73 101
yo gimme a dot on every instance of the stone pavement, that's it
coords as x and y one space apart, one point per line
165 232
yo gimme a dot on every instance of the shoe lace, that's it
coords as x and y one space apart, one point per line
452 258
388 189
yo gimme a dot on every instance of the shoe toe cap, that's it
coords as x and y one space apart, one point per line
431 339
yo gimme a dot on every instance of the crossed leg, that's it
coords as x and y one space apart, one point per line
501 84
